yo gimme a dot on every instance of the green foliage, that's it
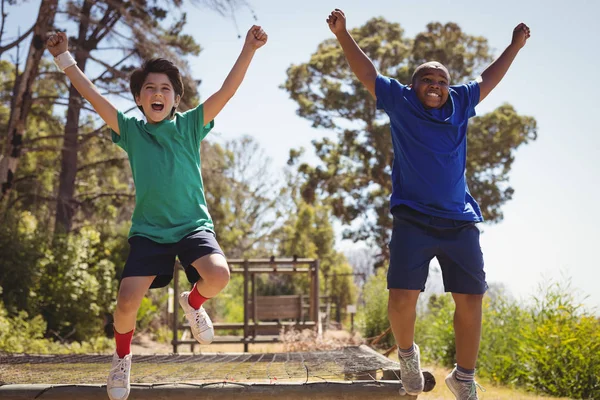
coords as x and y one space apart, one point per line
21 334
372 318
549 347
308 233
434 331
242 196
228 306
76 285
22 247
146 314
561 346
502 333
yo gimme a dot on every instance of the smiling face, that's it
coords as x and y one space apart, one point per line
157 97
430 83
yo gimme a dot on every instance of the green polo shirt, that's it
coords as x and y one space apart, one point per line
165 163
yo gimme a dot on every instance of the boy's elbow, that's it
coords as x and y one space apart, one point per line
369 82
227 93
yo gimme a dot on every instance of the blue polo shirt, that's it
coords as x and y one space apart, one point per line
430 149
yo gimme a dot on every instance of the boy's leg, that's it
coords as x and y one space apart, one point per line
402 313
411 250
467 328
214 275
148 263
462 264
205 264
131 292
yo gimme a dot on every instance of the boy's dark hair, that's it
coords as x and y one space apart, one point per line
428 65
160 66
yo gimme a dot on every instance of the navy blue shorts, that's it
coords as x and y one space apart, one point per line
418 237
149 258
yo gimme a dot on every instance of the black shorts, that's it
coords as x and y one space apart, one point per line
149 258
417 238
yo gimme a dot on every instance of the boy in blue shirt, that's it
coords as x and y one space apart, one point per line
434 213
170 217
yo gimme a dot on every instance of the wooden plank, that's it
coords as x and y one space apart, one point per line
278 307
270 270
268 261
260 325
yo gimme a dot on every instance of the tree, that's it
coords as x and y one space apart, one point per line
354 178
242 196
22 94
308 233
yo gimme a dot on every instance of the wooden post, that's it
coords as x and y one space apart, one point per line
254 306
315 292
175 340
246 282
338 311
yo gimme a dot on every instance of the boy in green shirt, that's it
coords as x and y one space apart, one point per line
170 217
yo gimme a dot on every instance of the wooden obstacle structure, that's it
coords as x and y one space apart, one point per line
264 316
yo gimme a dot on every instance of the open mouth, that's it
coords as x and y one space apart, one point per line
156 106
434 95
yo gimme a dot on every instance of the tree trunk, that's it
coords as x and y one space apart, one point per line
22 100
65 209
65 206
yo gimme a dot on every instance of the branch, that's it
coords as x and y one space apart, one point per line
26 195
24 178
83 137
41 148
100 195
3 19
38 98
110 160
17 41
112 68
82 107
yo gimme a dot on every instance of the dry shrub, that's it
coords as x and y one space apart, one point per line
308 340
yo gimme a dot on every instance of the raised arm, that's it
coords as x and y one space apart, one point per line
255 39
494 73
360 64
57 44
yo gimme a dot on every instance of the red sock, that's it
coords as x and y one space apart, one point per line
123 341
195 299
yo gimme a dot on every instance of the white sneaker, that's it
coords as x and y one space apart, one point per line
410 373
200 323
462 390
118 378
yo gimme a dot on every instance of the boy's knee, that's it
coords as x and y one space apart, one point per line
127 302
468 302
218 275
401 299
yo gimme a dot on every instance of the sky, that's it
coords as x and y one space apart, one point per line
550 227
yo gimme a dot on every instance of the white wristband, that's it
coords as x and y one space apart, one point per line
64 60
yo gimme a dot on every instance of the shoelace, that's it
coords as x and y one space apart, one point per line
119 372
473 389
412 365
199 319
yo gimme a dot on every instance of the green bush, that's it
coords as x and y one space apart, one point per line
372 318
504 323
434 331
552 346
561 346
21 334
147 313
77 286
